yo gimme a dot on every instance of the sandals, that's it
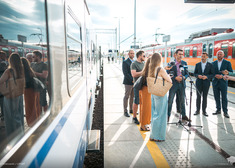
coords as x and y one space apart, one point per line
146 128
156 140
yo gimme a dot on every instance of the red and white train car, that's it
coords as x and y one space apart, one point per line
209 41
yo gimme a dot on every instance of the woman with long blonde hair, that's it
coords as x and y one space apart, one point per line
145 100
13 107
158 104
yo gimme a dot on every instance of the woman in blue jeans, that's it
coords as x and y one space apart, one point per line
159 104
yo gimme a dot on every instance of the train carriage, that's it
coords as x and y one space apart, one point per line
210 41
64 35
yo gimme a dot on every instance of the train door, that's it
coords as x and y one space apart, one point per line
208 46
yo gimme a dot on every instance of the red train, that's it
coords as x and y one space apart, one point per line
210 41
10 46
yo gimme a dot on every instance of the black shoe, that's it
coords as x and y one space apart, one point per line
217 112
226 115
196 113
136 121
131 111
205 113
185 118
126 114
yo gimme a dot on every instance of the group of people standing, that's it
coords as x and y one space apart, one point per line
12 108
156 110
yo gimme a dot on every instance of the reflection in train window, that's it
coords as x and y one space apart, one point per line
210 50
186 52
224 47
74 49
233 52
21 29
204 48
194 51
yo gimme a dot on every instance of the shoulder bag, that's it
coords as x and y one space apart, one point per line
158 86
139 83
12 87
37 85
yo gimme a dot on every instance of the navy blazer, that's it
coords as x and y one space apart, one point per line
174 69
128 79
208 71
226 65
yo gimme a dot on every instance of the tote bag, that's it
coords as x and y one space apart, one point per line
139 83
12 87
158 86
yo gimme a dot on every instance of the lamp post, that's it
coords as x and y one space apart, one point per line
134 25
119 56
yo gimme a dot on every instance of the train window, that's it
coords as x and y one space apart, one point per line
20 52
186 52
233 52
21 29
204 48
224 47
210 50
74 49
6 51
194 51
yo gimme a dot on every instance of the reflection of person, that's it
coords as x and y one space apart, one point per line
145 100
31 97
3 67
159 103
178 84
136 71
41 72
128 82
220 85
29 57
204 72
13 107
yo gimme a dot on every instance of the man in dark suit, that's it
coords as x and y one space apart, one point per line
128 82
219 84
204 72
178 81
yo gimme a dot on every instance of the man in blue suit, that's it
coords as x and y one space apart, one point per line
178 81
128 82
204 72
219 84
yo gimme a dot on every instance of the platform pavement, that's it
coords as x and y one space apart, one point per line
126 146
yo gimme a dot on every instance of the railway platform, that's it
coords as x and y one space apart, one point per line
125 145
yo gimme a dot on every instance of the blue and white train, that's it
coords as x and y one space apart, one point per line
63 29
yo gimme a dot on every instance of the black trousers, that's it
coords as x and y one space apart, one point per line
203 88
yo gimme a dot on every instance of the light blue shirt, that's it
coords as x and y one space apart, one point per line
219 64
203 66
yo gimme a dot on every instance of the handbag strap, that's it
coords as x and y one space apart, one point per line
13 74
158 70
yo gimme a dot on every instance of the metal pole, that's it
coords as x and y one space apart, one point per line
116 46
135 26
119 41
165 54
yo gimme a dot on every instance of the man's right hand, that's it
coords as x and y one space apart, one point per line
199 76
178 78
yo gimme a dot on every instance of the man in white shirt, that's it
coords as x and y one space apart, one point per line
220 85
204 72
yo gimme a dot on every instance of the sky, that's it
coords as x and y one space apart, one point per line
169 17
